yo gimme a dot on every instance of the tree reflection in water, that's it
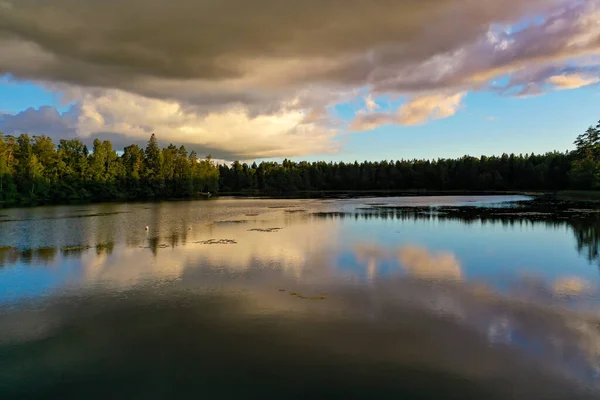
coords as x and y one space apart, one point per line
587 234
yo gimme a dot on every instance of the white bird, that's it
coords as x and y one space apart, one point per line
147 228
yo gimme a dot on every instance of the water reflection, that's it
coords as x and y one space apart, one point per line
421 263
296 241
572 286
159 344
484 302
584 223
43 255
371 255
587 234
547 327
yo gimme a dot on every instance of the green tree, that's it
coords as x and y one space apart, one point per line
153 158
133 165
585 173
29 171
8 190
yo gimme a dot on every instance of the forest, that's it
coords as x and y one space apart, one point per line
34 170
579 169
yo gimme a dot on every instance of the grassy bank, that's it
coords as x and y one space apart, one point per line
579 195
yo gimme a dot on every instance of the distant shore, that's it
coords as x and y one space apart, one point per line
382 193
579 195
574 195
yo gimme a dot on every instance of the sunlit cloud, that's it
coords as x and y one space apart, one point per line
371 104
415 112
127 118
572 81
422 109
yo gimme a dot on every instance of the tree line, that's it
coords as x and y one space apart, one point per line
33 170
579 169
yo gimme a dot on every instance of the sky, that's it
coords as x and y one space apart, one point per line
313 80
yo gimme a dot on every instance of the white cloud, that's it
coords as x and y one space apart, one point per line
371 104
573 81
415 112
231 133
424 108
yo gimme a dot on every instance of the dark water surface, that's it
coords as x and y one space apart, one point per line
421 297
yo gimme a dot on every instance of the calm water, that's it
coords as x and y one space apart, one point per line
248 298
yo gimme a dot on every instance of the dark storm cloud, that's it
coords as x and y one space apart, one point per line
109 43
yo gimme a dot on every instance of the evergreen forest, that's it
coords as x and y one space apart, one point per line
35 170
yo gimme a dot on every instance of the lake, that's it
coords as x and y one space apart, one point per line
420 297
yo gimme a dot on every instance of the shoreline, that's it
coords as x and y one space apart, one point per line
324 194
382 193
573 195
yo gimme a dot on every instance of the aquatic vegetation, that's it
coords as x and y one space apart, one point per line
76 248
331 214
322 296
217 241
103 246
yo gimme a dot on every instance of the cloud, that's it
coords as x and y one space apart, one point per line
572 81
44 120
214 67
415 112
127 118
535 81
429 107
370 104
569 31
372 121
201 39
